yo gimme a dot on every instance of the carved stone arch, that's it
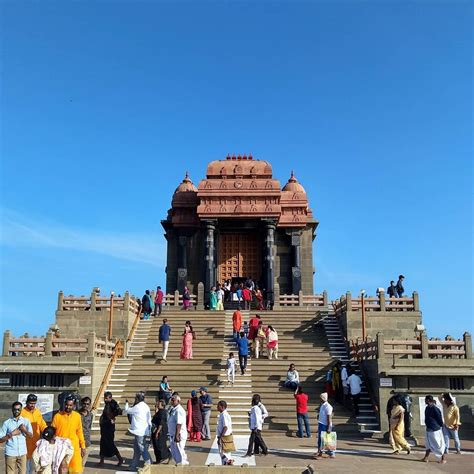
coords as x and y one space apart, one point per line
268 185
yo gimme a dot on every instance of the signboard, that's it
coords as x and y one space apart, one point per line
5 381
386 381
421 401
44 404
85 380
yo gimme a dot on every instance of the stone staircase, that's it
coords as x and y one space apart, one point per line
143 368
238 396
122 368
367 420
303 342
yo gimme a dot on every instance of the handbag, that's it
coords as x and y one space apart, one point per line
329 441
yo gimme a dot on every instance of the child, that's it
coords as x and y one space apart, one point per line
245 329
231 369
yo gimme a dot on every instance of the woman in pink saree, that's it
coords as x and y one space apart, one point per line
187 344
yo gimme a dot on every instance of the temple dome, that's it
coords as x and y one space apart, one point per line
293 185
186 185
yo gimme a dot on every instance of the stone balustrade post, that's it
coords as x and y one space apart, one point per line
48 344
6 343
276 296
325 298
126 301
382 300
348 302
176 298
60 301
300 298
200 297
424 346
380 346
416 301
91 338
93 300
467 345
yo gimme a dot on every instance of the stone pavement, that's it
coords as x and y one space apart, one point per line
357 456
353 456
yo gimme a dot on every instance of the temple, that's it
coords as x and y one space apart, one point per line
239 222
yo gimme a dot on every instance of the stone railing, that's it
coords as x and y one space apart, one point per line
411 348
299 300
56 346
176 299
95 302
348 303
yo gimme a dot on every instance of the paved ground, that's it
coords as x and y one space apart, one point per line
357 456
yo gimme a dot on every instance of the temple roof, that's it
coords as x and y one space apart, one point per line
240 186
186 185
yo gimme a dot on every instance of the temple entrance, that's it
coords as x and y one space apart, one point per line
239 256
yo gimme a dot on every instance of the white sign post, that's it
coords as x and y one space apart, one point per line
44 404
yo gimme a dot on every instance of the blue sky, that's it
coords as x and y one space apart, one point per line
104 105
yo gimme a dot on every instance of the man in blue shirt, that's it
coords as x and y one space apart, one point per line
243 344
14 432
206 400
164 337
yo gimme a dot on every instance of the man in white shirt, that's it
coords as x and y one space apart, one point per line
355 382
256 441
345 383
224 431
324 423
140 429
177 431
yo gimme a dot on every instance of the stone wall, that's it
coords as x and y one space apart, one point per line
393 324
418 378
71 367
76 323
307 261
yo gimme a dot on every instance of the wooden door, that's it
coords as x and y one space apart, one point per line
239 256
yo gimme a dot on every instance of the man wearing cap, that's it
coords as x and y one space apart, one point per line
31 413
14 433
206 400
324 423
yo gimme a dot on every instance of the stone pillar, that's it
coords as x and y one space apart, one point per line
382 300
93 300
176 298
296 268
424 346
348 302
276 296
126 301
210 264
270 225
60 300
200 297
48 344
416 301
325 298
300 298
467 345
182 263
6 343
380 346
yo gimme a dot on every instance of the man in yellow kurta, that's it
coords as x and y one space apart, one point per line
37 423
68 424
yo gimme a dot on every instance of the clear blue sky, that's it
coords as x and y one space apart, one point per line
104 105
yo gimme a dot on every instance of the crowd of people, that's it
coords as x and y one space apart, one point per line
244 293
63 446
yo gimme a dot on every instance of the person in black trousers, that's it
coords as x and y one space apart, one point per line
256 442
